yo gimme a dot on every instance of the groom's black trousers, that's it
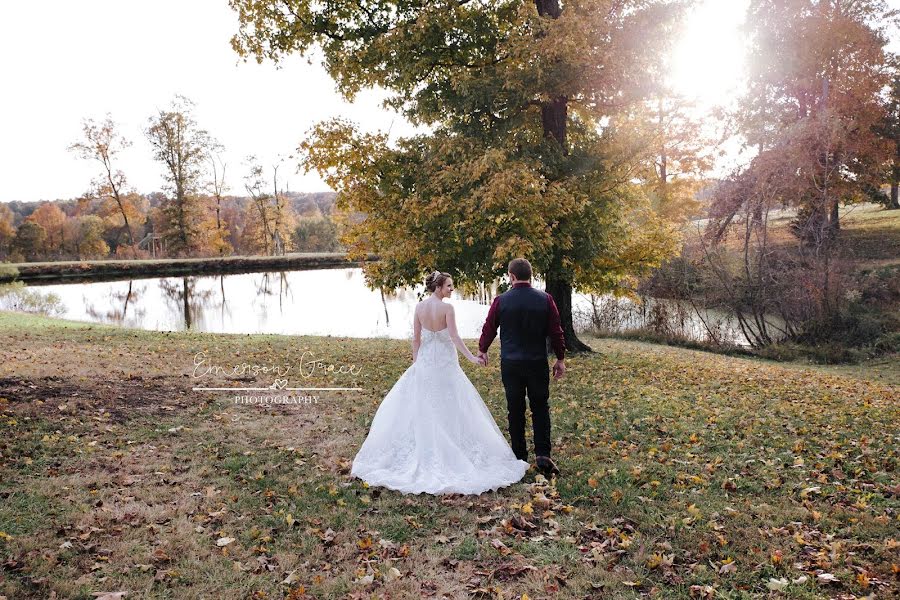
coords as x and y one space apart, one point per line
533 377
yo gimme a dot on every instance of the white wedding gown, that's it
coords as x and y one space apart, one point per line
433 433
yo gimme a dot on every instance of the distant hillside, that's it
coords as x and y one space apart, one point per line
303 203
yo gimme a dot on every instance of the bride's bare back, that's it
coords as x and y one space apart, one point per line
432 314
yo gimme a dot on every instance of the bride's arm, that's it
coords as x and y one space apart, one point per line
454 335
417 334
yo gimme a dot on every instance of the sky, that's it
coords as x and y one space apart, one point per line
65 61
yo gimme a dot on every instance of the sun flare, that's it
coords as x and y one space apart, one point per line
708 59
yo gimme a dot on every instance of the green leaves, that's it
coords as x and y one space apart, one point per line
521 158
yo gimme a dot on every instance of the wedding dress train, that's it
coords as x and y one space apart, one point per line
433 433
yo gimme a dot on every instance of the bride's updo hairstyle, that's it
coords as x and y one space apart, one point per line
435 280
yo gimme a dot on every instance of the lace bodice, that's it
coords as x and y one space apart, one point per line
437 349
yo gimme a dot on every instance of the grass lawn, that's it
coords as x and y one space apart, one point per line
685 475
870 234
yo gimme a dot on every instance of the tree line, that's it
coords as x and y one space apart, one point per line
193 215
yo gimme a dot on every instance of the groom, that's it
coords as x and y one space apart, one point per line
526 317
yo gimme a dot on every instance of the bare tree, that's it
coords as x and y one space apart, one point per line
182 147
218 188
103 143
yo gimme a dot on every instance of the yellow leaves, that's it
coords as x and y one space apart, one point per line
810 490
412 522
774 482
728 567
527 509
702 591
660 560
541 501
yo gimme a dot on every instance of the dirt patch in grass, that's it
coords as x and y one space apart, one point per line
123 400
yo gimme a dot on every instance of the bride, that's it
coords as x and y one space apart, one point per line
432 432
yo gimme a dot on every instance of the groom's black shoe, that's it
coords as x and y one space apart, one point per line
546 465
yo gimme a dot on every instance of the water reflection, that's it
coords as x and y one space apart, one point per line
16 296
117 309
316 302
332 302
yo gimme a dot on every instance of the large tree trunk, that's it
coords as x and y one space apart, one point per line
553 119
895 197
562 294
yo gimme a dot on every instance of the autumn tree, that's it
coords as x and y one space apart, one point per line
85 237
51 218
30 240
182 147
102 142
315 234
524 156
268 216
682 156
817 69
889 129
217 188
112 211
7 229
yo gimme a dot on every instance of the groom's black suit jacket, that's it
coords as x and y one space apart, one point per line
525 317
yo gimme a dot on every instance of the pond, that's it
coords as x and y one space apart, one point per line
332 302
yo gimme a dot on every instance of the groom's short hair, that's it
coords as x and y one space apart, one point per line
521 268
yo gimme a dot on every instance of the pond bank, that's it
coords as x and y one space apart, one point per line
103 270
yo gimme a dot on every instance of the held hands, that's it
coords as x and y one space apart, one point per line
478 360
559 369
